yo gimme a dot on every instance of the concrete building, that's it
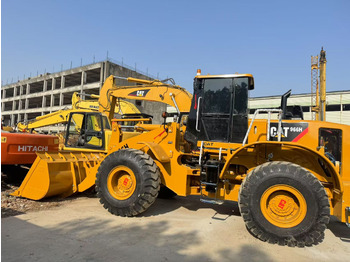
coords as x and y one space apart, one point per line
36 96
337 108
32 97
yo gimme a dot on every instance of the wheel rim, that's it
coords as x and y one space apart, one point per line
121 182
283 206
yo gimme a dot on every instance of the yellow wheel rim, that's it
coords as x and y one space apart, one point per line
283 206
121 182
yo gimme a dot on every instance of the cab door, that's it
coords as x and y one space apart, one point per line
218 111
214 121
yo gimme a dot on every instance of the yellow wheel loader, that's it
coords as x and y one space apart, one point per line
288 176
88 135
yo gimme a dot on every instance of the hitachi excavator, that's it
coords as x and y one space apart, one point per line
288 176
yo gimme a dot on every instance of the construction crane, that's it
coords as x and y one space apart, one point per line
318 86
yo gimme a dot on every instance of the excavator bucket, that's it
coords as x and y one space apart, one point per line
62 174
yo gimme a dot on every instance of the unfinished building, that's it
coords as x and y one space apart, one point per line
50 92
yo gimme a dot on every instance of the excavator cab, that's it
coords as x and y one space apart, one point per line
219 109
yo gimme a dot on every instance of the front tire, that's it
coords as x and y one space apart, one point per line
127 182
284 203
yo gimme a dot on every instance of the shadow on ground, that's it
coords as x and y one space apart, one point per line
193 203
339 229
95 240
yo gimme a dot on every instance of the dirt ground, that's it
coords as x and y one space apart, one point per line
179 229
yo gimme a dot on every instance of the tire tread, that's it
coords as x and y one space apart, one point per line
150 182
315 234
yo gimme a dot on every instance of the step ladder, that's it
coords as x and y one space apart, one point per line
209 186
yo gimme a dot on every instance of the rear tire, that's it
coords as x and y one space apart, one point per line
127 182
284 203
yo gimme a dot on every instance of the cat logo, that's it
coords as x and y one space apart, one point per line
274 131
139 93
290 131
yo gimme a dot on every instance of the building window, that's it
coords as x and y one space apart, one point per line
346 107
306 109
332 107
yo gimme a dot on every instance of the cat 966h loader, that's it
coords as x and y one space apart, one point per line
288 176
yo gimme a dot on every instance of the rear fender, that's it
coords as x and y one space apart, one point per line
328 165
319 165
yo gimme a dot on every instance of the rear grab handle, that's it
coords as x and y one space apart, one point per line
197 116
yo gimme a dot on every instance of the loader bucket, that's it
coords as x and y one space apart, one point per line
62 174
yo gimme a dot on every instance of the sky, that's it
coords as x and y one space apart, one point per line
273 40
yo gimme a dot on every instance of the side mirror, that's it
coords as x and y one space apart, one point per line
251 84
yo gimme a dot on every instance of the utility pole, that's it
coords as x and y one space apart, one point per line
322 64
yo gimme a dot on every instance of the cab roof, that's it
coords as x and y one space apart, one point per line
224 76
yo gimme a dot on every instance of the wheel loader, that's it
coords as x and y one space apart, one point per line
288 176
88 134
123 109
20 148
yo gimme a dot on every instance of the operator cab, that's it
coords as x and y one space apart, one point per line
86 130
219 109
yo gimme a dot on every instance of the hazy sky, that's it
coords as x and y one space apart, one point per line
273 40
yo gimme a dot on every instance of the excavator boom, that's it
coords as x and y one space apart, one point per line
155 91
78 105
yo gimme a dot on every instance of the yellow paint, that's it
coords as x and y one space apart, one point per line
283 206
121 182
52 174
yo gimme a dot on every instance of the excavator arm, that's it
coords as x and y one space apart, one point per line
61 116
149 90
78 105
58 117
